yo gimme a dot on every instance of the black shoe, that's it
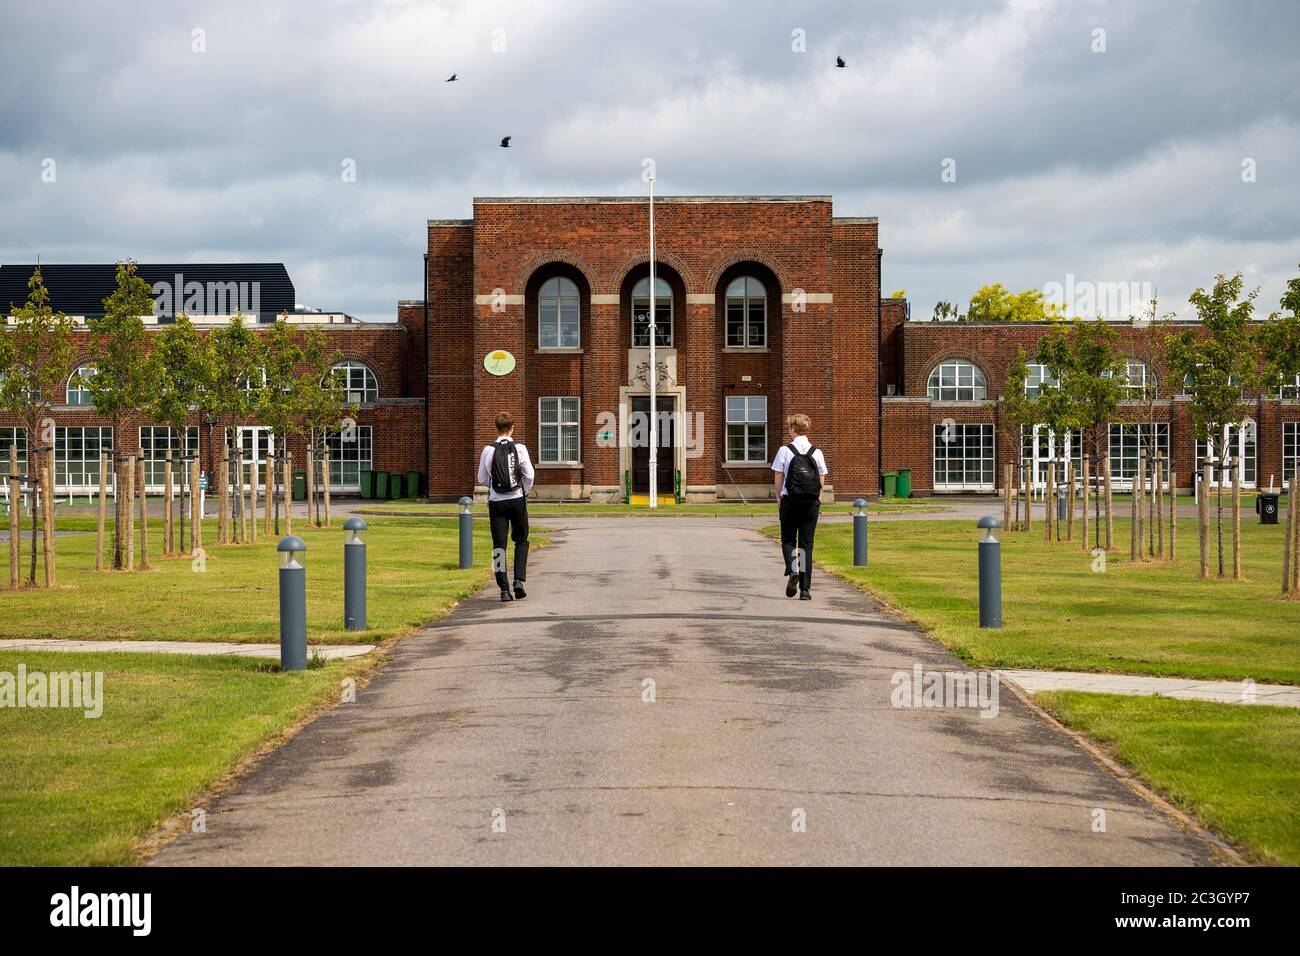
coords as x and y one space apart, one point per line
805 595
520 593
791 585
506 595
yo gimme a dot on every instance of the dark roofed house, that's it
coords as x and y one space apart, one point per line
260 290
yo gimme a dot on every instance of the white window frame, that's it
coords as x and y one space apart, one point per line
558 291
561 427
77 387
1123 442
154 453
1037 376
746 299
663 294
747 423
1239 437
1290 449
957 440
1040 445
346 371
84 467
940 390
12 434
1289 391
344 456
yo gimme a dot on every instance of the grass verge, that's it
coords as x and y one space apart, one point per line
1235 768
79 791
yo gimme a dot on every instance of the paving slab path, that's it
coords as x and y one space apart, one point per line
325 651
657 700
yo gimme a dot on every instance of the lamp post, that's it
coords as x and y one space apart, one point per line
354 575
654 369
466 520
860 533
990 570
293 604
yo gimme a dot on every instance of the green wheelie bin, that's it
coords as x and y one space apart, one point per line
381 484
300 486
367 482
413 484
904 486
891 483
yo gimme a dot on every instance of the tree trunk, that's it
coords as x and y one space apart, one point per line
1236 527
1290 489
1049 499
130 512
288 492
169 537
1069 501
1028 488
1086 494
325 486
1203 514
278 473
313 517
1006 496
268 493
47 516
1295 545
244 470
119 552
223 496
15 521
196 508
252 502
1135 518
1110 506
1173 516
1158 516
144 520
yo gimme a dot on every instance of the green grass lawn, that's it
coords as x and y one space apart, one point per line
412 578
1236 768
78 791
560 509
1154 618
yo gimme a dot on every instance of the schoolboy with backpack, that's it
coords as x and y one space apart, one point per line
800 473
506 469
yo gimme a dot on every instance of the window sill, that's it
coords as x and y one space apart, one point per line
747 464
546 350
752 349
558 466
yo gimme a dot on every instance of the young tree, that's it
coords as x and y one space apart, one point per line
180 376
1088 369
233 379
995 303
281 356
36 355
1279 340
1149 348
120 384
1217 361
319 394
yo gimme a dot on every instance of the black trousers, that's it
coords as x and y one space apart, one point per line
509 518
798 523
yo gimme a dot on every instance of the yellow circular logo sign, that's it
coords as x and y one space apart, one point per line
499 362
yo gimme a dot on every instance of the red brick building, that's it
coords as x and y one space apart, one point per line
765 306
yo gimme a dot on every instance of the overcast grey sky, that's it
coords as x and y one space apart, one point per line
1117 166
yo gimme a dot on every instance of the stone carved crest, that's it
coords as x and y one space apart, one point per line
642 373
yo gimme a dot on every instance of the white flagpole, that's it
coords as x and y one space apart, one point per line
654 368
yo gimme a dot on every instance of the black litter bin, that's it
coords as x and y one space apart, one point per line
1266 507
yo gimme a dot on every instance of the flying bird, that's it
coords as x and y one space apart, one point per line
839 62
505 142
450 79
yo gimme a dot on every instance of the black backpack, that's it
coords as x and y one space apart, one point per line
505 467
802 478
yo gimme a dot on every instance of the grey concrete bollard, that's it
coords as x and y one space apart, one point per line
860 533
293 604
466 533
990 564
354 575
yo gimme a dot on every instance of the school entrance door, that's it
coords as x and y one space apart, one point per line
639 427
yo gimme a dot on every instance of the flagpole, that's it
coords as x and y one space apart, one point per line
654 368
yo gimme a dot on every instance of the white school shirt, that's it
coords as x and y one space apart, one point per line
781 462
526 473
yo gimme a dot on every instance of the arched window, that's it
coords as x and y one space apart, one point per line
957 380
641 313
746 313
357 381
1039 375
558 315
78 392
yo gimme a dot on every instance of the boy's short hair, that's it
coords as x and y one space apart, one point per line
505 422
800 423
